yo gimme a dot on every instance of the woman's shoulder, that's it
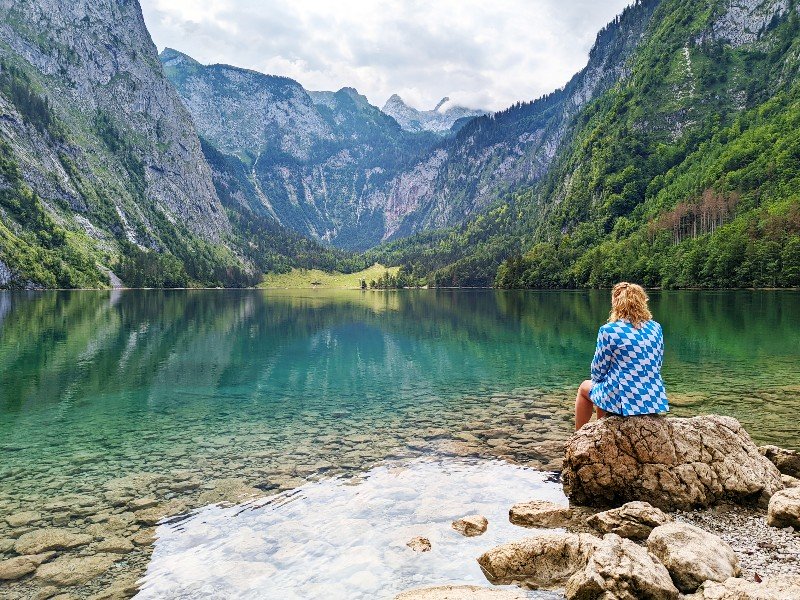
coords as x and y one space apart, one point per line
624 325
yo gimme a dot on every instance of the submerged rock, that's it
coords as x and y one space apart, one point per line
672 463
17 567
68 570
692 555
539 513
471 525
419 544
547 560
784 508
115 545
21 519
633 520
778 587
619 569
460 592
787 461
42 540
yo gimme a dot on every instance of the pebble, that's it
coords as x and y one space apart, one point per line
419 544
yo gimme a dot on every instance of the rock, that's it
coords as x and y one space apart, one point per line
539 513
67 570
21 519
631 520
784 508
778 587
419 544
471 525
671 463
46 592
41 540
619 569
230 491
151 516
19 566
789 481
115 545
787 461
16 568
547 560
460 592
692 555
121 589
142 503
146 537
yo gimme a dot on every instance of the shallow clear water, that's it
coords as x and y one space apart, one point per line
339 539
172 394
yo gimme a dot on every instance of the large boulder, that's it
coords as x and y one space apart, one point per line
633 520
784 508
669 462
545 561
539 514
787 461
692 555
461 592
621 570
777 587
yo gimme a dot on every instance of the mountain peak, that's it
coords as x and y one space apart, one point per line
441 102
170 56
438 120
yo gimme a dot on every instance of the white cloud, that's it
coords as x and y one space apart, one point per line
481 54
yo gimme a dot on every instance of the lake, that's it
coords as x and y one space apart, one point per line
109 398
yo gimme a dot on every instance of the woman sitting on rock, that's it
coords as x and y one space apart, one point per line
626 369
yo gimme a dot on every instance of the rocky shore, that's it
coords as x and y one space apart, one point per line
728 528
95 540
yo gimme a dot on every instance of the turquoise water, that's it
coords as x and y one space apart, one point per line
191 397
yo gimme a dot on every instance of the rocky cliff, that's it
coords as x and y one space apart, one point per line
310 159
92 128
497 153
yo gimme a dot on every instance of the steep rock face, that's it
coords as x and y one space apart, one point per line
97 58
496 153
246 113
310 159
440 120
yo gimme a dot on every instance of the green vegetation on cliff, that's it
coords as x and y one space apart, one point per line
685 174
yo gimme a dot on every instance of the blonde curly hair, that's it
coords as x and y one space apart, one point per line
629 303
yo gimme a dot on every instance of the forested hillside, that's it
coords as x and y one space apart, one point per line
684 174
102 175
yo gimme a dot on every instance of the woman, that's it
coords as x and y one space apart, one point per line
626 369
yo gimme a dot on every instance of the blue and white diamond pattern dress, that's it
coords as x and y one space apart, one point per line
626 369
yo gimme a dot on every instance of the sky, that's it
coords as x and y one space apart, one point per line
480 54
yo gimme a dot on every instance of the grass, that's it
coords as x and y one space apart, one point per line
314 278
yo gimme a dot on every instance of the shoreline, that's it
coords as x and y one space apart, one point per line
121 520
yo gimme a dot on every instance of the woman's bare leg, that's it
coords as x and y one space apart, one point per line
583 405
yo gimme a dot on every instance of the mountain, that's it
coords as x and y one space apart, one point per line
309 159
102 173
682 173
96 146
441 119
497 153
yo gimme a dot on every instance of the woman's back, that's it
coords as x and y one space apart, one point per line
626 369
